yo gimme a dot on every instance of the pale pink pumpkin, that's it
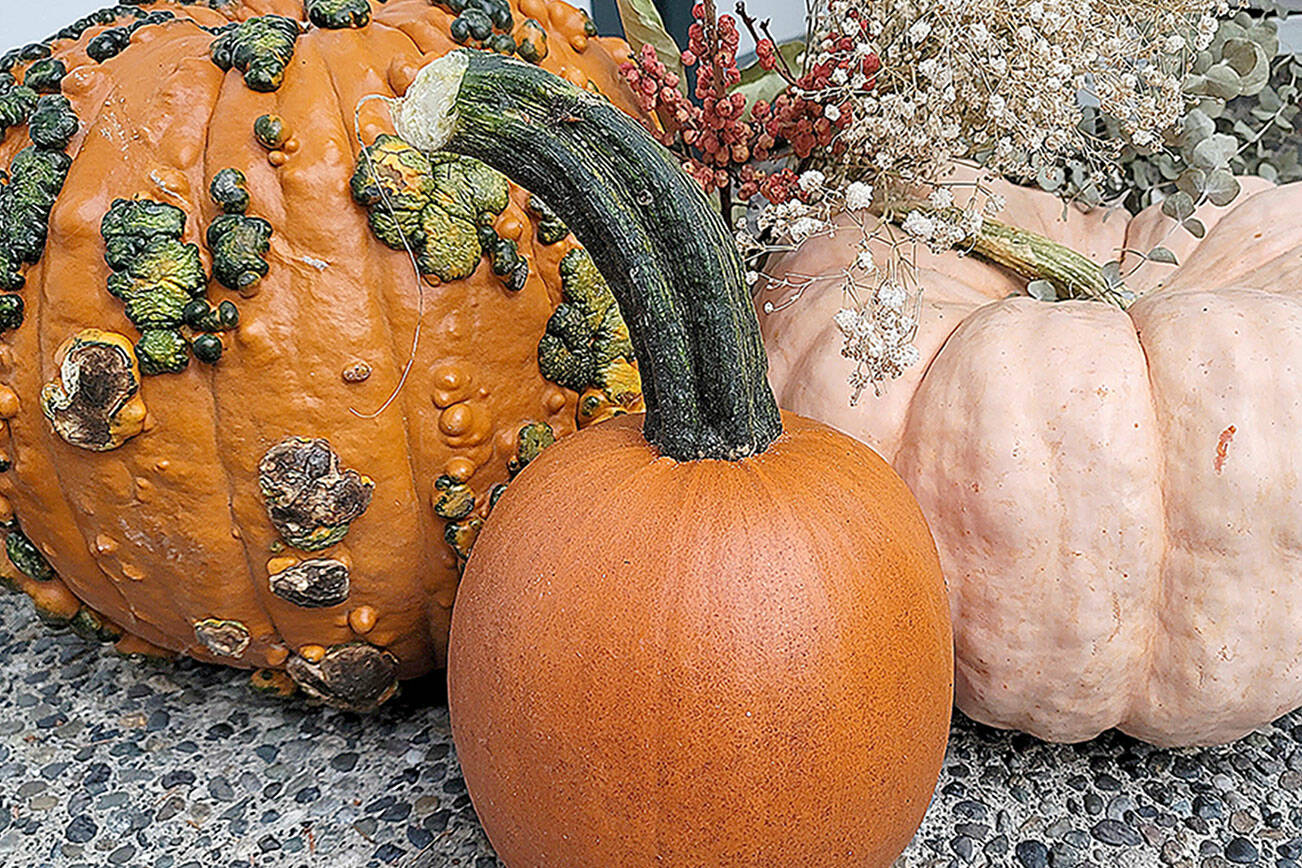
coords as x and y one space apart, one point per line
1114 493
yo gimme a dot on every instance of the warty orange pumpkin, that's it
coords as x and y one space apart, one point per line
1113 492
728 643
219 435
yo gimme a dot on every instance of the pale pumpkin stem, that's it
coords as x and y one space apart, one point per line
1036 257
1029 255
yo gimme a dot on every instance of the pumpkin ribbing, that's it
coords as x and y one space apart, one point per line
668 257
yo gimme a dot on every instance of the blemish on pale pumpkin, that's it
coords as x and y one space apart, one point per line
312 653
1223 448
362 619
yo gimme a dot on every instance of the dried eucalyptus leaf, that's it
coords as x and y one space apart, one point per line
1112 273
1042 290
1162 255
1269 172
1192 181
1178 206
1221 82
1197 126
1215 152
1195 227
1050 178
1222 187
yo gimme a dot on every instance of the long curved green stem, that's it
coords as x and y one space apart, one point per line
668 256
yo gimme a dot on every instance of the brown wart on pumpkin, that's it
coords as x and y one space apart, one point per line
310 500
272 681
353 677
261 48
96 403
312 584
223 638
356 372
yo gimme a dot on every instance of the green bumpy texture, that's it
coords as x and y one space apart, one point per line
587 331
261 48
35 178
16 106
551 229
53 122
239 246
158 283
158 277
162 351
132 225
26 557
46 76
230 190
436 204
154 273
11 312
338 14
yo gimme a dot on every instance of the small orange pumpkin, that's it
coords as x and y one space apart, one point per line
190 363
726 641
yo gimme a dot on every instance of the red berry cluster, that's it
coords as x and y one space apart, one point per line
718 136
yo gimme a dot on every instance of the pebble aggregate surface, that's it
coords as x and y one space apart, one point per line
106 761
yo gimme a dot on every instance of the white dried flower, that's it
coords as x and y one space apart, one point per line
812 180
919 225
858 196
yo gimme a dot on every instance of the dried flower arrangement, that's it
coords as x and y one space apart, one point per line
1105 103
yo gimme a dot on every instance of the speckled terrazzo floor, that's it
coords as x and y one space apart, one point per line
105 762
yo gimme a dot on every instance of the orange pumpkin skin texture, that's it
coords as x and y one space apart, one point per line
167 534
700 648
